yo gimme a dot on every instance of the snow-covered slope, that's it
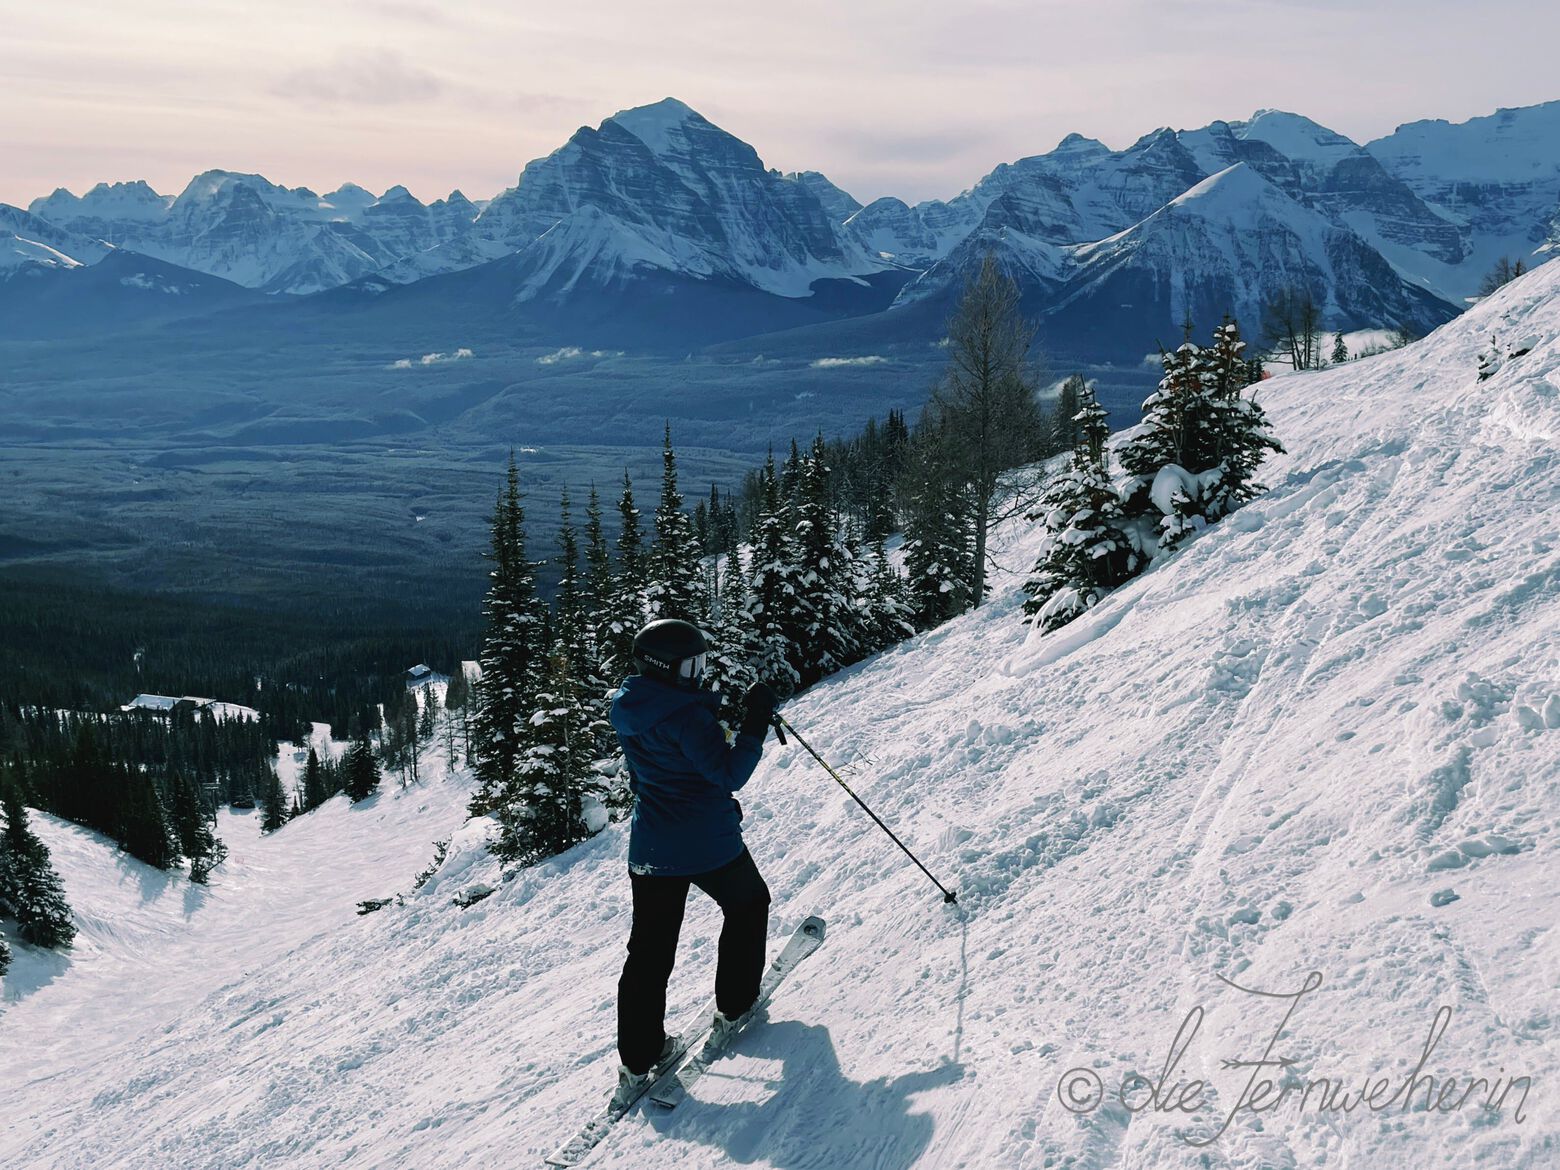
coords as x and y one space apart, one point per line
1324 736
19 257
151 945
27 228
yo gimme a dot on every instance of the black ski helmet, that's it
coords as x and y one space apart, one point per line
671 650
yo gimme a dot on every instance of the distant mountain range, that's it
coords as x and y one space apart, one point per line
659 228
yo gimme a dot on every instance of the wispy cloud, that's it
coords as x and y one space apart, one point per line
832 363
378 77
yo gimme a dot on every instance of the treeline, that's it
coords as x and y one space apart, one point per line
150 783
91 648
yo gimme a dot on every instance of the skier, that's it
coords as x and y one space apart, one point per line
686 830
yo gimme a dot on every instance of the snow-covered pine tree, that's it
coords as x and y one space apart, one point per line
1239 424
512 655
939 544
1086 550
729 669
623 608
791 474
553 777
360 771
1177 440
1340 349
273 802
891 617
30 889
675 579
771 648
825 641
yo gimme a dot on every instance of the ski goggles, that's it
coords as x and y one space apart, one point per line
691 669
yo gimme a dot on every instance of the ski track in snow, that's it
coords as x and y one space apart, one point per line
1280 751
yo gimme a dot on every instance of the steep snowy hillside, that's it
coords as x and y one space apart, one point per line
25 226
150 944
1323 737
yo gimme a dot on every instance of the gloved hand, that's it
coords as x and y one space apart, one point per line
759 703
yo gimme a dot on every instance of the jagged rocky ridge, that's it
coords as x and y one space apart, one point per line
1395 233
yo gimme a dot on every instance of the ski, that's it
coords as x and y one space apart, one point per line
668 1091
572 1152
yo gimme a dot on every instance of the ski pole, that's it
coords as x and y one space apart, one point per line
782 726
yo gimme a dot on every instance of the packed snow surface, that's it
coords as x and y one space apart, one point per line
1323 737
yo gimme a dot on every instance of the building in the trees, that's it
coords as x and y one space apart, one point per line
423 675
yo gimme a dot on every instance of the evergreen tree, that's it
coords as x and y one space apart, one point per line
1063 430
1240 427
5 957
30 889
571 623
546 812
597 583
939 545
1086 550
193 824
273 802
428 717
825 643
1340 349
1179 440
512 654
675 584
892 618
315 792
143 828
624 608
773 644
360 772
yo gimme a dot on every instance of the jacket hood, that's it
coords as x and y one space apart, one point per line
642 702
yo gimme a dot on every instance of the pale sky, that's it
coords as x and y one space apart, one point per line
883 96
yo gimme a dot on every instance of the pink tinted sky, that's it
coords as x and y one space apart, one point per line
884 96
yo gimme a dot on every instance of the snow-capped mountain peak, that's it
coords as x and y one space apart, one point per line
661 123
1296 137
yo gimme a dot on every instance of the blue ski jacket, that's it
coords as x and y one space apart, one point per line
682 774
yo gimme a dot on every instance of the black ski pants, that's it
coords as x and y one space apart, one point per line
739 890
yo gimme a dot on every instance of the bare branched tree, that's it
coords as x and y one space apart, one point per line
1505 271
1292 324
987 398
